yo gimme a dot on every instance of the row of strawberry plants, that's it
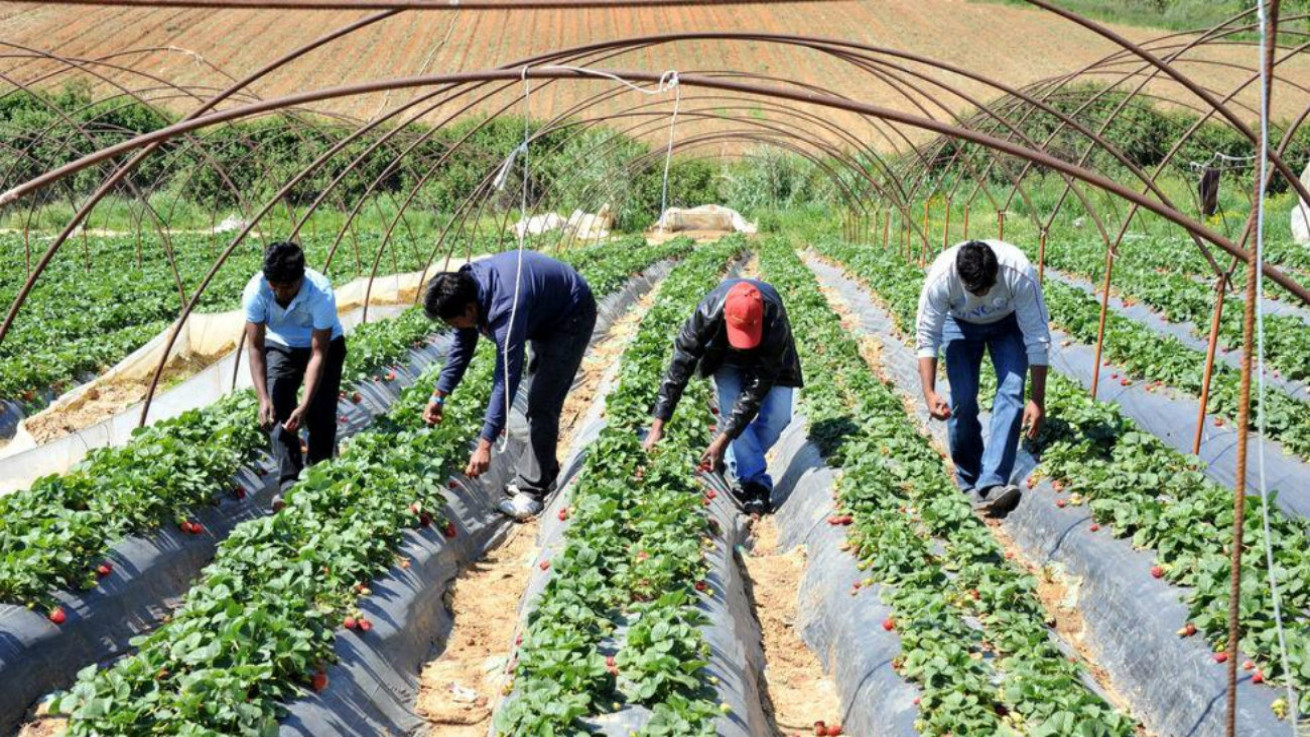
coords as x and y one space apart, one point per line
57 530
914 531
1179 298
262 621
1139 488
1149 356
632 553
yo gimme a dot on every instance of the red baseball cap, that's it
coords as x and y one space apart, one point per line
744 313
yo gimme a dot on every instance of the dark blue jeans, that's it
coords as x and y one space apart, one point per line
979 465
745 457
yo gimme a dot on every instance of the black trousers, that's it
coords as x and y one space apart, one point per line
555 361
285 373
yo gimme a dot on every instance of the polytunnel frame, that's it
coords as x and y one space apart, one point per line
960 132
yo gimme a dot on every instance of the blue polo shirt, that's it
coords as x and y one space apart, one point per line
313 308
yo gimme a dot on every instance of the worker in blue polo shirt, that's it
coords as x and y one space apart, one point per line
294 338
513 298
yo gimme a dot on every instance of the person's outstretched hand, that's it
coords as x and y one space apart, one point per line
653 435
938 407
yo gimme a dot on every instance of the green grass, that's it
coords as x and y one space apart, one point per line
1175 15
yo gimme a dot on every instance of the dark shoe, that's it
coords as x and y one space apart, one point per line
756 498
994 500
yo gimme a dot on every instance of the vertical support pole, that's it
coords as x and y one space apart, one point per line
1215 318
1105 308
966 221
923 250
887 230
1041 257
1000 225
1244 392
946 231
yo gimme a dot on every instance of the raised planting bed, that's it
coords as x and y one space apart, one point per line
93 558
617 637
261 621
1137 530
973 633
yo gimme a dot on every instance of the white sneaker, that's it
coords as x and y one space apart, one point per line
522 507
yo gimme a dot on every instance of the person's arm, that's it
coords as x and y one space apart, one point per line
259 372
1034 321
933 302
688 347
504 384
320 340
461 353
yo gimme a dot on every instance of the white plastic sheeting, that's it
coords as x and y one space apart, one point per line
582 225
1301 214
705 217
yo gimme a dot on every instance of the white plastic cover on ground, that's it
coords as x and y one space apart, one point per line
583 225
1301 214
705 217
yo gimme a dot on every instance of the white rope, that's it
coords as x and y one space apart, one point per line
668 81
1260 366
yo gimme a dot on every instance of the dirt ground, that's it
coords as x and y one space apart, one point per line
799 691
459 690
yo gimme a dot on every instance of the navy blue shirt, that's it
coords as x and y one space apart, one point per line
549 293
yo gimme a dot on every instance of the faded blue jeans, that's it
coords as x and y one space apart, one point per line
979 465
745 456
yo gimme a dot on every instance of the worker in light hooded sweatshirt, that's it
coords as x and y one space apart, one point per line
553 307
984 296
740 335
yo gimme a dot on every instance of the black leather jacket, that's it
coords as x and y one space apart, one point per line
703 341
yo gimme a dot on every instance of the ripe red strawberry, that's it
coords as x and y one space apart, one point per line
415 508
196 529
916 700
705 501
847 520
453 483
104 569
701 586
1157 572
450 532
820 728
319 682
888 624
1248 665
1257 677
350 623
58 616
563 513
365 625
1189 629
279 504
544 565
710 493
1114 376
834 730
239 492
1060 503
391 376
714 410
609 661
425 519
518 640
1125 381
356 397
714 428
1218 422
1094 527
1221 657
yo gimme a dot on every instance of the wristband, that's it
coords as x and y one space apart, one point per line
437 399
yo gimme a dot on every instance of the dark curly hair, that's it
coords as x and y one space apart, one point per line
976 263
284 262
449 294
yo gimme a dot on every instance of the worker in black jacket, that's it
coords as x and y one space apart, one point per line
740 335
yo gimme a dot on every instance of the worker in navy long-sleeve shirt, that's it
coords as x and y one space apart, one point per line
557 312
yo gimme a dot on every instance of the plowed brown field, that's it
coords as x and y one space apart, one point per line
1013 44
